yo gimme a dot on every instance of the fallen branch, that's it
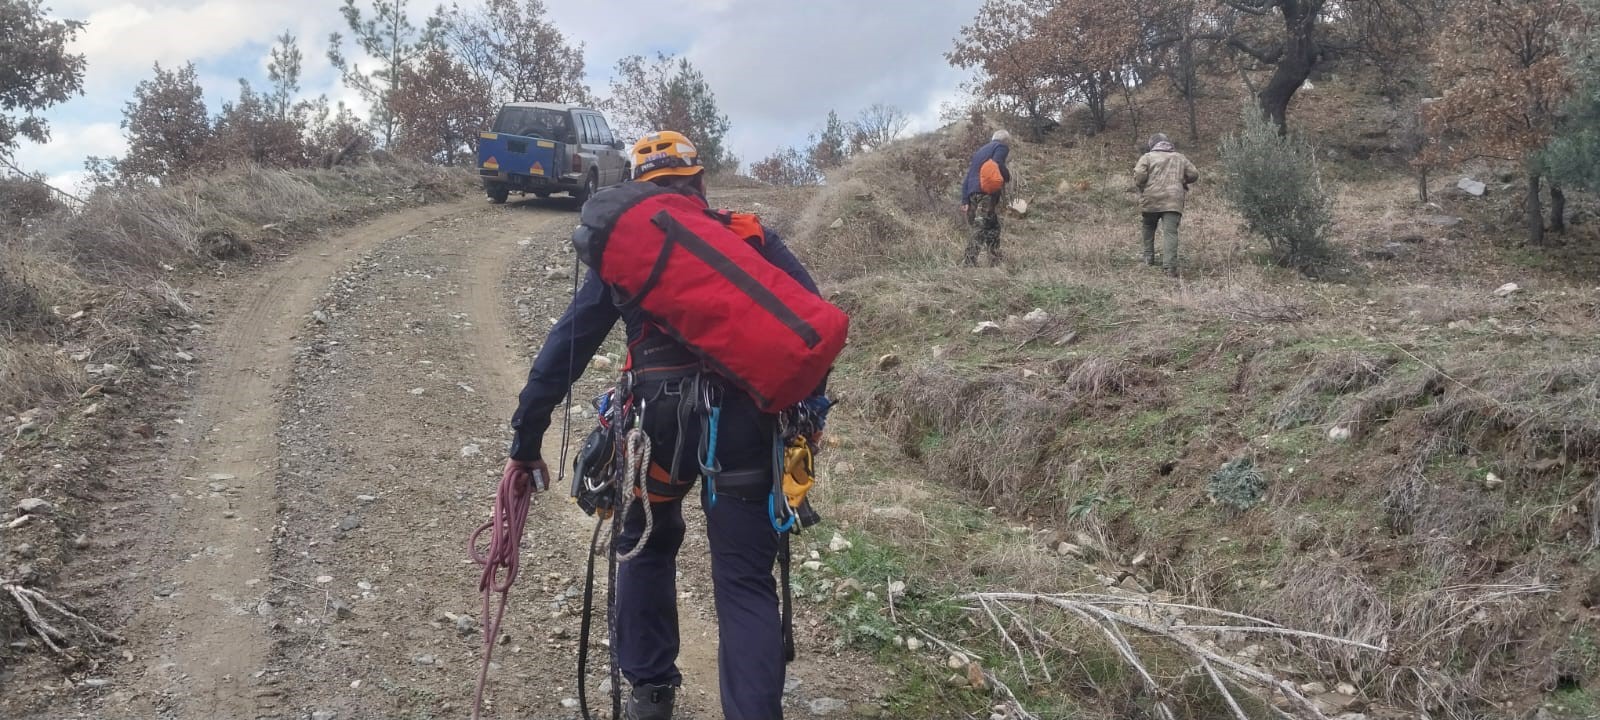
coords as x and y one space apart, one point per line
1022 662
1017 711
30 177
1103 613
30 601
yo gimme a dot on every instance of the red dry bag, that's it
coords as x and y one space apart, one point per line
668 255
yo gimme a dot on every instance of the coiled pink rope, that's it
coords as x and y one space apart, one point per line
510 516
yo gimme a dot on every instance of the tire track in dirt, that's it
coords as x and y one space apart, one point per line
391 444
205 640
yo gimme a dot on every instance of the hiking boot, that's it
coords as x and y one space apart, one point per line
650 702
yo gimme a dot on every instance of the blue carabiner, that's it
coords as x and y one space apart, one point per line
772 514
709 466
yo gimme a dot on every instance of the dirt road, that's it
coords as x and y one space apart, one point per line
345 436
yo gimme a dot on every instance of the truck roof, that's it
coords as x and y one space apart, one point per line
562 107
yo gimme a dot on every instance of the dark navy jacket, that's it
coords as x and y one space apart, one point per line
573 340
997 151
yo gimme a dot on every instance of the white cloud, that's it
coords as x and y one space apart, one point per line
778 66
73 140
124 39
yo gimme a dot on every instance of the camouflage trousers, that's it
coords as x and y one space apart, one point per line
983 214
1167 222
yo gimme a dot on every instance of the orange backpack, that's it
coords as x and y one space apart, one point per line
990 181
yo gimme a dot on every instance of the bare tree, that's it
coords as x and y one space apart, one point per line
387 35
1505 71
518 53
439 107
1002 46
787 167
877 126
252 128
1295 36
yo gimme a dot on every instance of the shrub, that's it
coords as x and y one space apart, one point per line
932 175
787 167
1238 485
974 134
20 305
23 200
1272 181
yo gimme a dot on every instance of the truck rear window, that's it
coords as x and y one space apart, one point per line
532 122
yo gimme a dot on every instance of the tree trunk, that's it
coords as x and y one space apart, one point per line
1558 209
1534 213
1133 110
1422 184
1194 125
1298 59
1190 74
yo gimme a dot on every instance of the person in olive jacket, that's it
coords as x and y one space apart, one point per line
1163 176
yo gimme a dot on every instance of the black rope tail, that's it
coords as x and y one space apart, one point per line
587 622
784 558
572 359
611 617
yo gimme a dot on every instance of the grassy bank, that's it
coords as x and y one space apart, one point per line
1421 451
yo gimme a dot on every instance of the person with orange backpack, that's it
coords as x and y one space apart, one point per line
981 194
729 348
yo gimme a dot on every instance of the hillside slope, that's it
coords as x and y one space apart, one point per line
1395 454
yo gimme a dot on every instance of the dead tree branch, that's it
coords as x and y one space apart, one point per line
1162 623
30 601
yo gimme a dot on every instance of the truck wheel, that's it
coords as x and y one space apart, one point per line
498 193
589 187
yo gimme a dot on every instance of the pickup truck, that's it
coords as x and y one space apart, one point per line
545 148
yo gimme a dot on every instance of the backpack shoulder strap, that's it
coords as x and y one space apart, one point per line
745 225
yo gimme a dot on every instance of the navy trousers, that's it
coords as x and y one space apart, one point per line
744 548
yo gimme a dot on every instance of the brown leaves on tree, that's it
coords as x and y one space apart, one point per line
440 107
167 126
787 168
1504 76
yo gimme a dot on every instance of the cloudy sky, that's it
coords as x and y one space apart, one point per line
777 66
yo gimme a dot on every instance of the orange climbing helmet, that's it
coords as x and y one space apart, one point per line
663 153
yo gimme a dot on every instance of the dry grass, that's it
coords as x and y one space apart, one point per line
1338 374
34 373
112 260
1365 411
1389 534
992 435
1098 376
1549 410
122 232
